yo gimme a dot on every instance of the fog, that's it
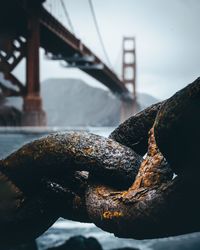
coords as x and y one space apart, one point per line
167 40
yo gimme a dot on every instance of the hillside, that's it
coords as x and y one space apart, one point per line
72 102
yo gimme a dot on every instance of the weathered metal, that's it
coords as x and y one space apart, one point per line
120 191
177 129
133 132
137 212
73 151
54 159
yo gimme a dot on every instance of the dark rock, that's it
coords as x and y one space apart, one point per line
25 246
79 243
126 248
2 99
9 116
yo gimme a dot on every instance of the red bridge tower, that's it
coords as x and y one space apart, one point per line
129 75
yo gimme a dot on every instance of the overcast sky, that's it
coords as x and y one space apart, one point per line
167 39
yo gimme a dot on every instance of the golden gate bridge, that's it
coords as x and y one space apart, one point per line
27 25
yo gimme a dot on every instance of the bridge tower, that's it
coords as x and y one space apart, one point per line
18 41
129 64
32 107
129 75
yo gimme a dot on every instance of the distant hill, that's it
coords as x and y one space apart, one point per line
72 102
145 100
79 104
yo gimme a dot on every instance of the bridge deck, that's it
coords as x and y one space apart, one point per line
56 39
59 41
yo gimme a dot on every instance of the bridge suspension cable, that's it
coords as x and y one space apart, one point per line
67 16
99 33
118 62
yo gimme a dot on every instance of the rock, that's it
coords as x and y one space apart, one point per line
79 243
26 246
126 248
9 116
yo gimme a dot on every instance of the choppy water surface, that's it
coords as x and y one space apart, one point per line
11 140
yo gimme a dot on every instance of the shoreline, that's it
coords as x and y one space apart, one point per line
44 130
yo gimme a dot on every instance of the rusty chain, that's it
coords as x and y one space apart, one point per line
107 181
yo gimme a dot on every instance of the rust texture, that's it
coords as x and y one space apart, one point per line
62 153
177 129
134 131
43 181
136 212
89 178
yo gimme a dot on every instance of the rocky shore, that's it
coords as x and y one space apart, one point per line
73 243
9 116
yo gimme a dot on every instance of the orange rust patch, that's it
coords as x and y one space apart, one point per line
88 150
124 194
102 191
148 175
109 215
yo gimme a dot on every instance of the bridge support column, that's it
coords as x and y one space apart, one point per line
33 115
129 77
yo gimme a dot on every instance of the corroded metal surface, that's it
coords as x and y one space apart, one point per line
85 177
134 131
61 153
177 129
136 212
42 180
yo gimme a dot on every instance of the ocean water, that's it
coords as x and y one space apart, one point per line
11 140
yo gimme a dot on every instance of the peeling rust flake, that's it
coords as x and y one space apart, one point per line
109 215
